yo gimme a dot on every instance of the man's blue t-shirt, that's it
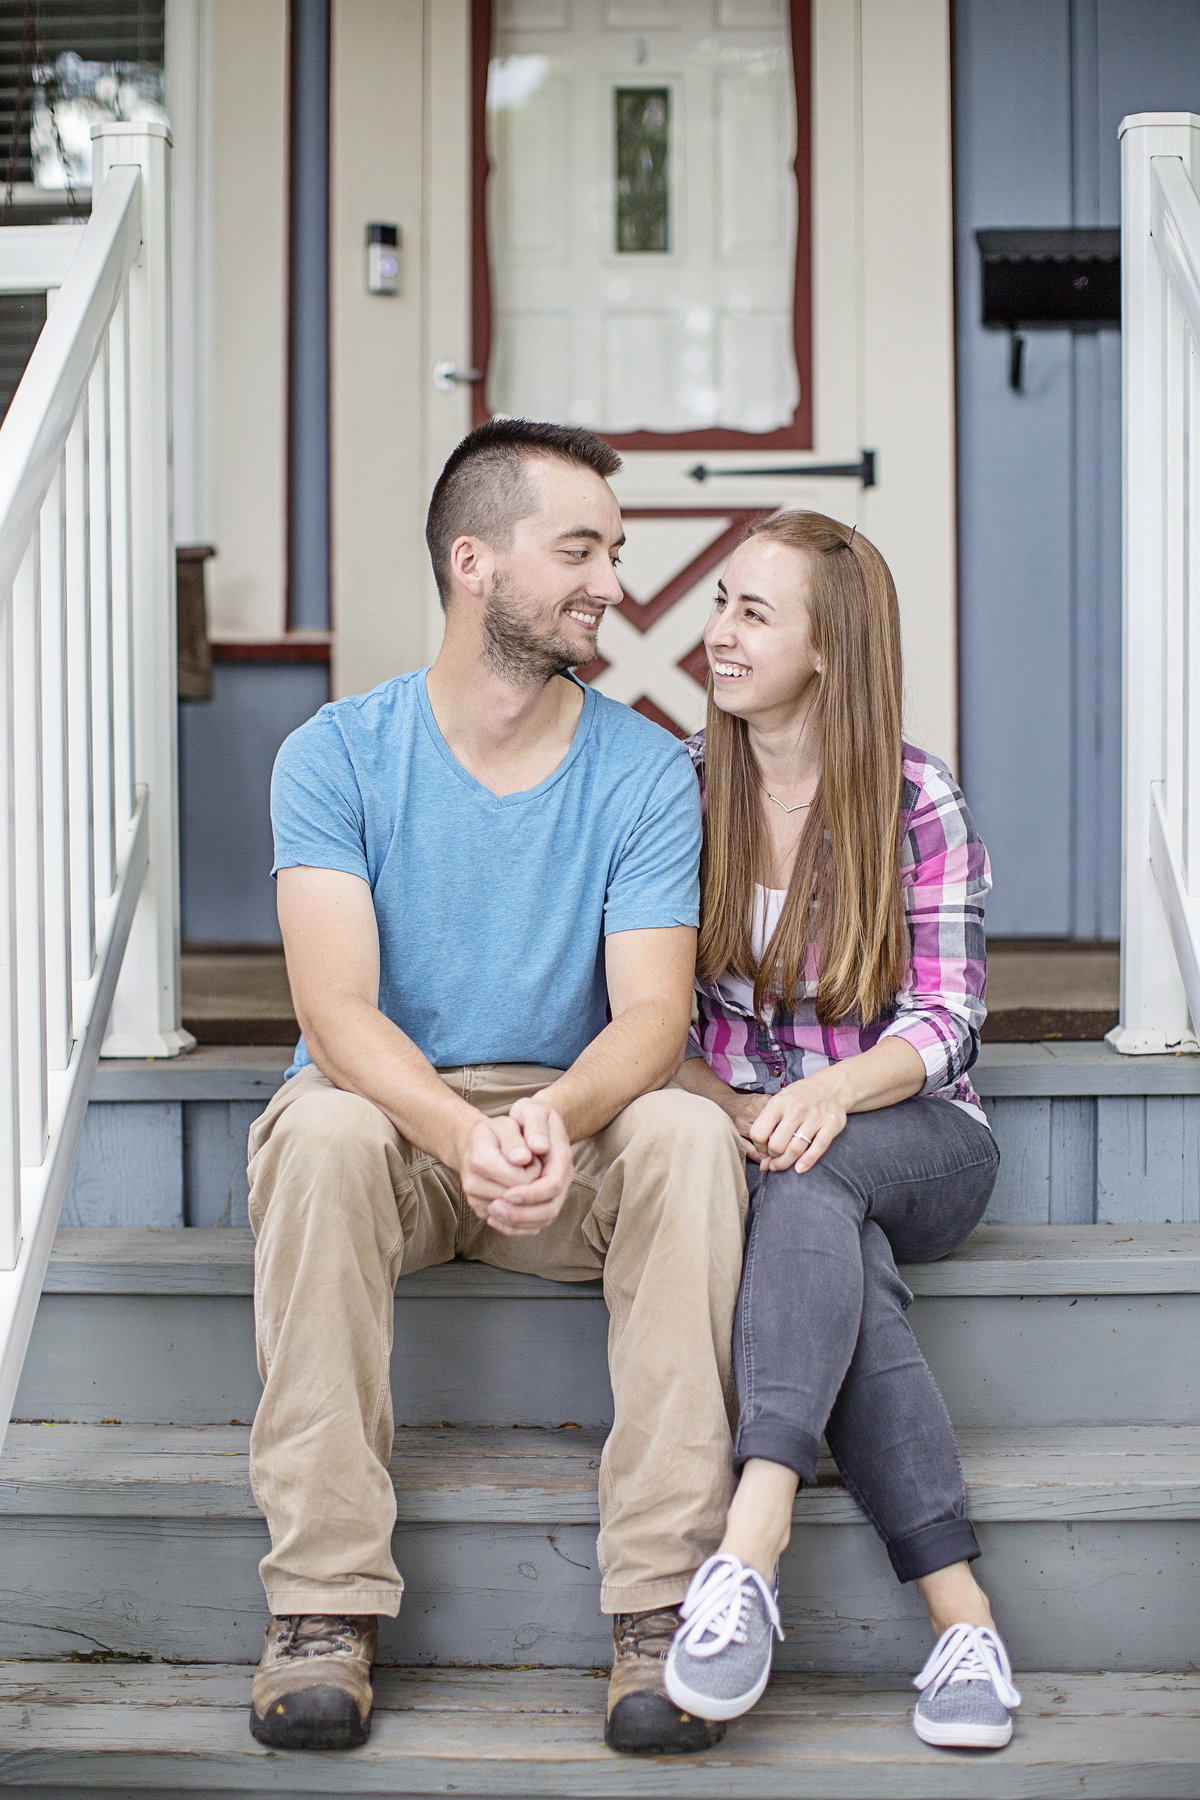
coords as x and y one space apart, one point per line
492 912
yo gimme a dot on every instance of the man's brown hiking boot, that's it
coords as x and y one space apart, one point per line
642 1721
312 1688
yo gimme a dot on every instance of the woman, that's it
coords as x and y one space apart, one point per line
840 988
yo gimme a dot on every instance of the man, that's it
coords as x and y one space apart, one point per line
488 897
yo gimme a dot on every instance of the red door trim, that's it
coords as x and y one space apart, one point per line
796 436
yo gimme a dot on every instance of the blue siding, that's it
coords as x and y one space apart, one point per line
226 749
1040 89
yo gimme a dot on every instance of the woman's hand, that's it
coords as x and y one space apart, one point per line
795 1127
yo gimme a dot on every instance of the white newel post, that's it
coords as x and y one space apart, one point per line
1154 1009
145 1013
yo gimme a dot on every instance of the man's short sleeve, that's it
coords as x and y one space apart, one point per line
656 880
316 805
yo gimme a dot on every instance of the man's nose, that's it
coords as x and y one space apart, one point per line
607 585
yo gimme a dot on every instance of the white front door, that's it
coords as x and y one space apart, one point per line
717 232
642 215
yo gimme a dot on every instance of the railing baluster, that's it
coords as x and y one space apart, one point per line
1172 526
1191 603
104 839
88 879
122 589
29 883
10 1158
79 699
59 1020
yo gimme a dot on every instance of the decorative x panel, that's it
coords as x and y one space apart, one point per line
652 656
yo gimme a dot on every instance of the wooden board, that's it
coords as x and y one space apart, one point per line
1054 1069
996 1259
189 1359
125 1177
1069 1595
539 1732
510 1474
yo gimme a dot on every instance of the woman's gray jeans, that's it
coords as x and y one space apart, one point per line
821 1342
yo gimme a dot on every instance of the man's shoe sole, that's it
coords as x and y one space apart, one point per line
317 1718
648 1724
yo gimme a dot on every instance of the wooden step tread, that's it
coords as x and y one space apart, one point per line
996 1259
1057 1068
162 1729
520 1475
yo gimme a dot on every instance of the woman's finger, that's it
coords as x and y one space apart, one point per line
788 1132
818 1147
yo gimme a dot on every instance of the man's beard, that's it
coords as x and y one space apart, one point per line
513 644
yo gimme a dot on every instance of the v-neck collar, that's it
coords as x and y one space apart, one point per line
583 728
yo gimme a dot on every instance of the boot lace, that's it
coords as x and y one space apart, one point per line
648 1633
718 1606
317 1634
969 1653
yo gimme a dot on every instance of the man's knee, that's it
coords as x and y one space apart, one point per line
324 1144
686 1155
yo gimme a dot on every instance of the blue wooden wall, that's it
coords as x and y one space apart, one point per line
1040 89
227 747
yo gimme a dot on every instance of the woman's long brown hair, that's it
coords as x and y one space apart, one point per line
849 853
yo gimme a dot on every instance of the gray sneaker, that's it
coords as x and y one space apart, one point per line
966 1691
720 1661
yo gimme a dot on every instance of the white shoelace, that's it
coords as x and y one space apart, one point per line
714 1612
969 1653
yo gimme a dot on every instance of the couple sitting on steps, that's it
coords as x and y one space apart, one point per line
489 884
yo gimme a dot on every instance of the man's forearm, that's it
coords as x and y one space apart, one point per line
637 1052
360 1049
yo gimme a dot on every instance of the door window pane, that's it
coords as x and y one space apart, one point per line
643 216
642 126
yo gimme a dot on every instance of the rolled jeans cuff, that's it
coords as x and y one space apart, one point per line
933 1547
778 1443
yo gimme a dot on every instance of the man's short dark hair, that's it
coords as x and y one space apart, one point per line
483 490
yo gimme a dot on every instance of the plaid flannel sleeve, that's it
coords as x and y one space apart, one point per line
945 879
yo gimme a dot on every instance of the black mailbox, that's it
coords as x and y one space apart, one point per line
1051 278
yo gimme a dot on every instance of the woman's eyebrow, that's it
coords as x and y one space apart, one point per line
756 600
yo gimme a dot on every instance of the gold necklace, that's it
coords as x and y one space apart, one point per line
788 809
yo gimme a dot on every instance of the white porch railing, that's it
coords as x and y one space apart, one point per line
1160 903
88 826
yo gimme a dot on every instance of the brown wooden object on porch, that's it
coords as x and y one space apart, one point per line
195 651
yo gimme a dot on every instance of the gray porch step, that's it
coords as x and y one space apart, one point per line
128 1540
157 1326
159 1732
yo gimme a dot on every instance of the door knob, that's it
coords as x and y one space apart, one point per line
447 376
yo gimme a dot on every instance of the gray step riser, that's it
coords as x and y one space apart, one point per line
186 1359
1111 1595
1065 1159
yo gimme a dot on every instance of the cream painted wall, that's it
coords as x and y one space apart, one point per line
248 344
378 376
907 301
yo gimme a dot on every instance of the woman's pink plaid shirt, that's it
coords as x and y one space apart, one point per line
945 877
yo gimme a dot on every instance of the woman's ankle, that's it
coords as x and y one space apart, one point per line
759 1526
952 1596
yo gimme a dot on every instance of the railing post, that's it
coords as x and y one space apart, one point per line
145 1013
1154 1011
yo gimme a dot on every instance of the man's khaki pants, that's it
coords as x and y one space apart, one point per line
341 1206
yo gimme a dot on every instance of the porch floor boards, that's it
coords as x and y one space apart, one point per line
159 1729
1037 990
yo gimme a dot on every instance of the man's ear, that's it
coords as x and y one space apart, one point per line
471 565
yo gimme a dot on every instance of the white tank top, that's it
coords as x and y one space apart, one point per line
768 904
